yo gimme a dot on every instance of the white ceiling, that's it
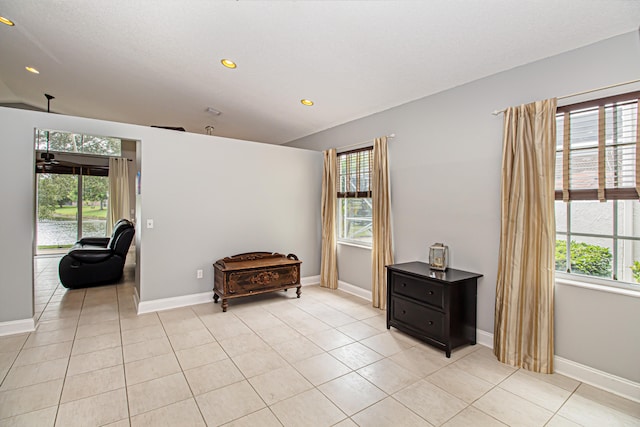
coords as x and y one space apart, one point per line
157 62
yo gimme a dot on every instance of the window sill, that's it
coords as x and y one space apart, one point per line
617 288
355 245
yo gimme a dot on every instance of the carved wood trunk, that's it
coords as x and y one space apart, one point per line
254 273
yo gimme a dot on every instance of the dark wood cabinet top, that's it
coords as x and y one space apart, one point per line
422 269
253 260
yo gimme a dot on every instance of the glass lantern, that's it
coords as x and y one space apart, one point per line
438 256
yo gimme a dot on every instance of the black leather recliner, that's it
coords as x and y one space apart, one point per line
101 242
96 261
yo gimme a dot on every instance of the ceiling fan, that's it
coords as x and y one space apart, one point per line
48 163
47 158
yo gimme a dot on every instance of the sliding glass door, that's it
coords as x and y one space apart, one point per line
93 209
57 211
69 207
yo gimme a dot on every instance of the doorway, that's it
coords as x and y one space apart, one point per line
71 187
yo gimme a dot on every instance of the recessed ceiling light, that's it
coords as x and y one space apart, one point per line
306 102
32 70
6 21
228 63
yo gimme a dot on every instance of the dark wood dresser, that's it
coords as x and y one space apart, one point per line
254 273
438 307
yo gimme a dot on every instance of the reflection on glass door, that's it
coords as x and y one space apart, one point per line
70 206
57 205
94 205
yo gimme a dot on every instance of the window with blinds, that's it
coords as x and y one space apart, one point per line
597 175
354 173
354 216
596 148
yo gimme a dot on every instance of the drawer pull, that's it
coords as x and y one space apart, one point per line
430 322
430 293
404 285
404 311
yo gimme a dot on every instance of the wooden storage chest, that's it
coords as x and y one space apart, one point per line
254 273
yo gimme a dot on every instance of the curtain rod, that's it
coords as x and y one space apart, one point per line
393 135
496 112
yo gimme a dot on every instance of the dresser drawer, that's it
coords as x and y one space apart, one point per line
250 280
436 307
421 290
422 319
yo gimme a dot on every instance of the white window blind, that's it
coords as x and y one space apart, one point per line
596 149
354 173
354 209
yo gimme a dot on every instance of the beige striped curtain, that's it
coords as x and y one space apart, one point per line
118 192
328 262
523 334
381 248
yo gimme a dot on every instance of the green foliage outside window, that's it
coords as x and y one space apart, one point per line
57 191
54 191
58 141
635 270
592 260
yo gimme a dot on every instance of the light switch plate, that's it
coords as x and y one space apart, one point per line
149 223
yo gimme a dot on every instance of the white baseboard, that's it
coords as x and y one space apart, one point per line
174 302
484 338
310 280
586 374
193 299
354 290
583 373
343 286
17 326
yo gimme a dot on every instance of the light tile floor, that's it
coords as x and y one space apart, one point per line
324 359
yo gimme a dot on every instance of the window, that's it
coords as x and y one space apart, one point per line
354 196
68 142
597 209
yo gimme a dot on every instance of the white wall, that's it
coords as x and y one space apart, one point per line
214 197
598 329
210 197
351 260
17 179
445 185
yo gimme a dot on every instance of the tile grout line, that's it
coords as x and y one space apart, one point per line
493 386
64 379
243 374
193 396
554 413
424 379
314 386
291 366
124 366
